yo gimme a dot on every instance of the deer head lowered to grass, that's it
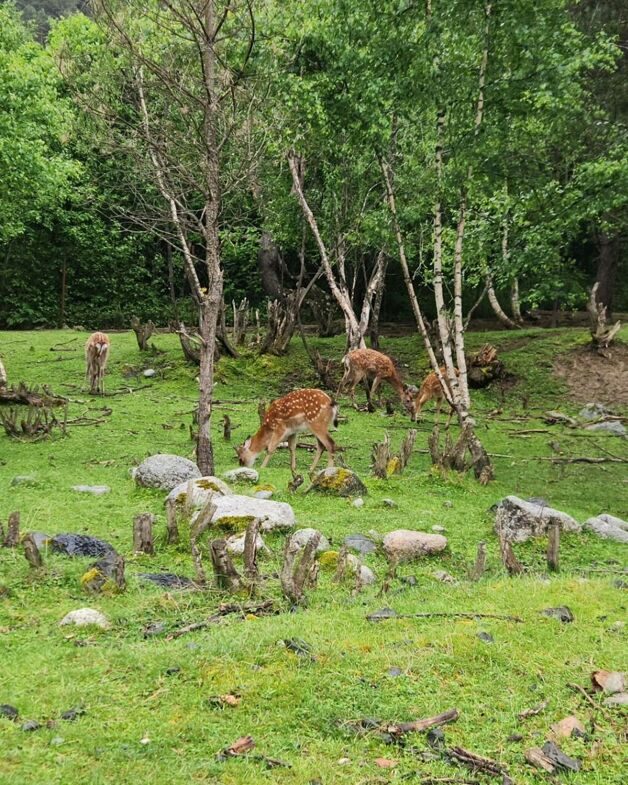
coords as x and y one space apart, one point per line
300 411
430 390
366 364
96 355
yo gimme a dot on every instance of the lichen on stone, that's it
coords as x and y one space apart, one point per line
234 523
328 560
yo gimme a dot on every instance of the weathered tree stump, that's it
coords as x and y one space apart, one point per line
602 333
143 533
227 577
143 332
240 321
196 531
510 561
31 552
405 451
172 522
380 458
479 567
105 575
553 545
296 572
12 537
226 428
250 549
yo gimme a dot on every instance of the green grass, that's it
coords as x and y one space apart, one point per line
291 705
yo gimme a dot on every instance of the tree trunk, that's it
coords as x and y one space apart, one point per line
270 266
608 258
143 533
208 314
515 302
64 289
374 324
499 312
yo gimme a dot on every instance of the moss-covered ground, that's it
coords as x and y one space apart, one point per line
150 708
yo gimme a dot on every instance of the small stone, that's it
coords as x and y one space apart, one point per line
72 714
409 580
562 613
301 537
154 628
173 671
394 672
619 699
30 725
593 411
300 647
486 637
40 539
81 545
86 616
167 580
439 529
149 373
263 494
448 503
338 481
8 711
25 479
617 626
614 682
235 544
515 737
56 741
243 474
389 503
608 527
360 544
95 490
436 738
367 576
570 726
359 502
382 614
405 544
613 427
443 577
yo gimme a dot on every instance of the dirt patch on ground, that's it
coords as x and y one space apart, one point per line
590 377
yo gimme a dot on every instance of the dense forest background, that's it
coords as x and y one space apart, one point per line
70 255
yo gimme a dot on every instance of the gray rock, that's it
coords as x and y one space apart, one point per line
448 503
619 699
406 544
382 614
81 545
301 537
84 617
593 411
165 471
203 489
40 539
25 479
609 426
357 503
443 577
167 580
149 373
234 512
338 481
367 576
95 490
235 544
394 672
263 494
562 613
439 529
30 725
615 682
519 520
389 503
608 527
243 474
486 637
9 712
360 544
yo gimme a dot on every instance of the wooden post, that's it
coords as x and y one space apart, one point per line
31 552
295 577
250 549
143 533
511 563
226 428
13 531
553 544
198 527
480 563
407 445
380 456
172 525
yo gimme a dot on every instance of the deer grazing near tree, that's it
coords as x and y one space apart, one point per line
298 412
362 365
430 390
96 354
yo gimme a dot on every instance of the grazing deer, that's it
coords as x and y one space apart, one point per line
297 412
430 390
366 364
96 354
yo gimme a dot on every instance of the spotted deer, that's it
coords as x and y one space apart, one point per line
362 365
300 411
96 355
430 390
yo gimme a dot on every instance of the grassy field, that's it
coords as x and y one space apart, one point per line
151 712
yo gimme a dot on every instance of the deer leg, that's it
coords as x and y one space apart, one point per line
292 446
319 451
275 441
325 442
375 387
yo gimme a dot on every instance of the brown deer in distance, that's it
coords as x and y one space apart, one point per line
298 412
364 365
430 390
96 355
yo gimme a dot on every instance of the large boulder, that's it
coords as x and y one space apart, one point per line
301 537
339 481
407 544
234 513
519 520
594 411
608 527
203 489
360 544
613 427
165 471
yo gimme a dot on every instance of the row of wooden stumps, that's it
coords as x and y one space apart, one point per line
384 463
514 566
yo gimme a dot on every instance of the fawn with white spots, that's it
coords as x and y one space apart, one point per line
430 390
96 355
366 364
300 411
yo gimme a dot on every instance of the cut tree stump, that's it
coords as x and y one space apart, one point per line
172 523
12 537
143 533
295 574
227 577
143 332
553 545
510 561
479 567
31 552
